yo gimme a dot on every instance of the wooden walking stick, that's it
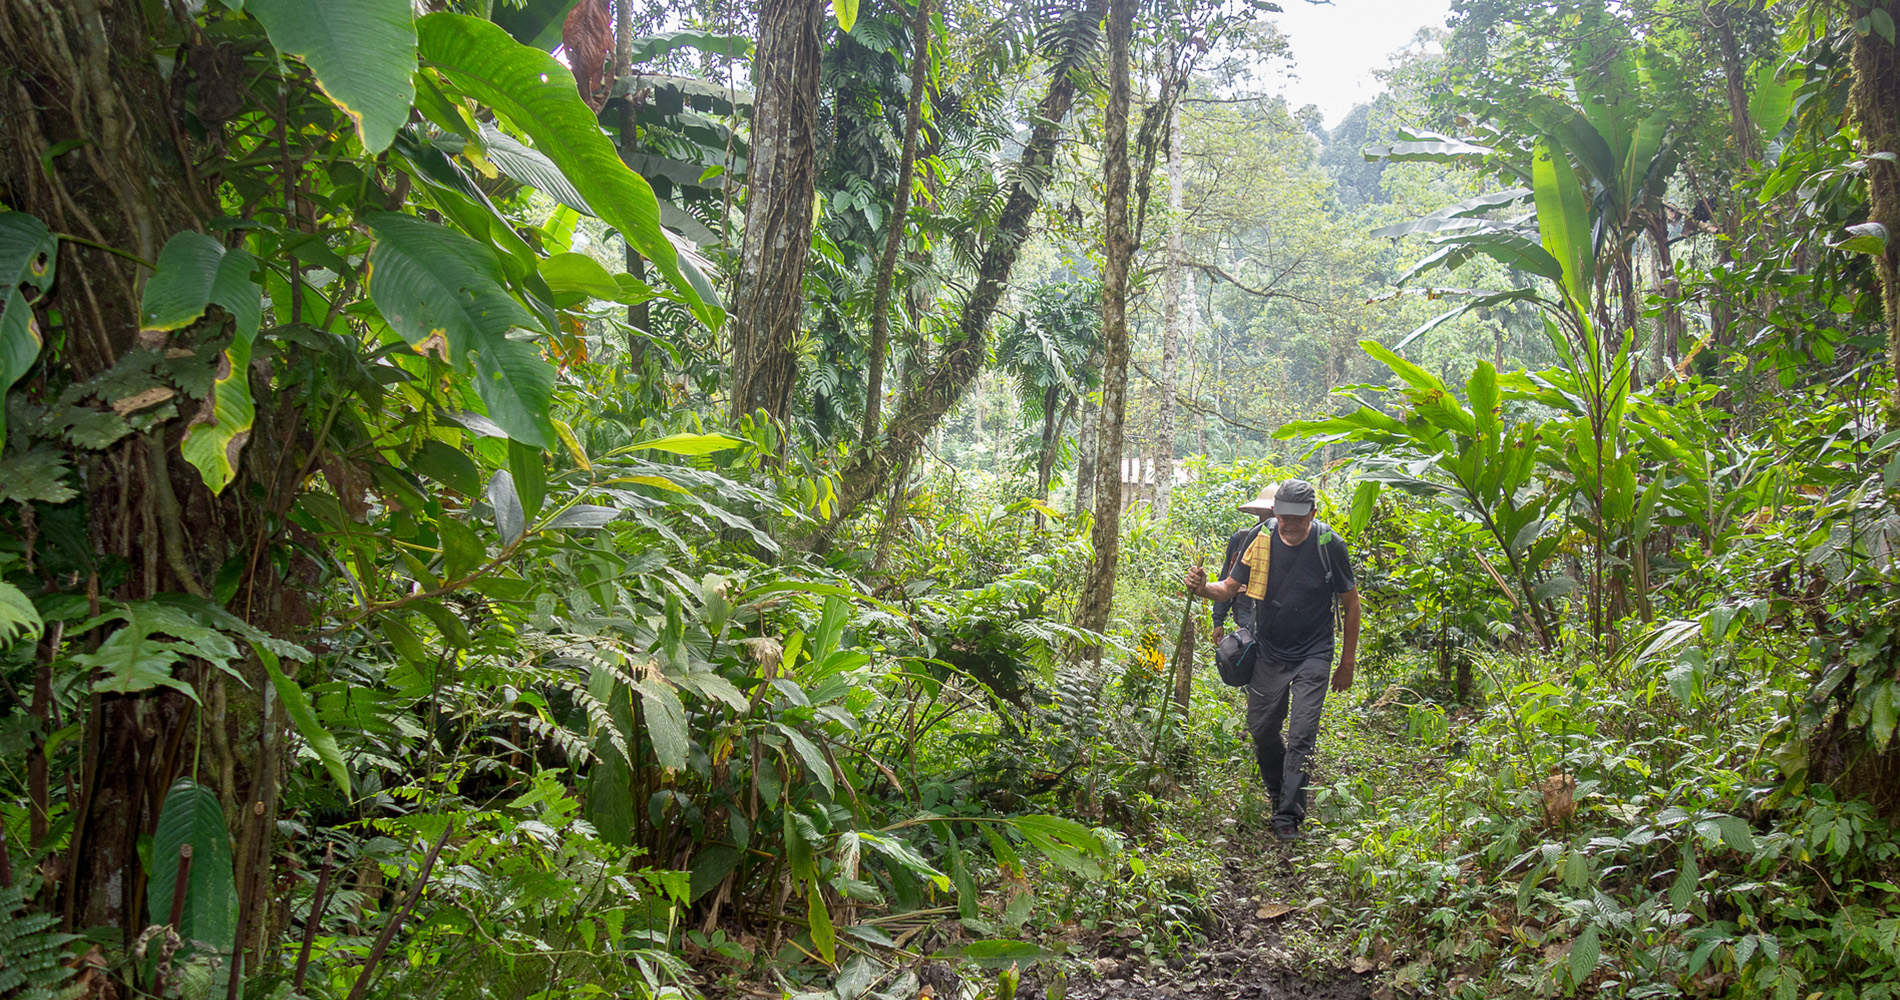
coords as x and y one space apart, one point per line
1184 645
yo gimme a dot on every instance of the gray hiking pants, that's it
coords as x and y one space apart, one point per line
1280 691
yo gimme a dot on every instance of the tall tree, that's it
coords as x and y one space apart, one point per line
939 384
900 206
1177 293
768 299
1119 252
1875 104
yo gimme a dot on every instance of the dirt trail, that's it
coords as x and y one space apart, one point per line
1243 957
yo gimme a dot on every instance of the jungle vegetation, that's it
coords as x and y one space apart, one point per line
549 498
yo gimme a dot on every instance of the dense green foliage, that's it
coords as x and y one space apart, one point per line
390 603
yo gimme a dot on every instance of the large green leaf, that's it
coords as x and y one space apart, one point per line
1506 248
689 444
650 47
304 717
1436 149
28 251
1570 129
1065 842
666 722
362 51
156 634
19 619
196 272
847 13
1463 215
192 815
1772 98
444 293
1563 219
526 165
538 95
1639 172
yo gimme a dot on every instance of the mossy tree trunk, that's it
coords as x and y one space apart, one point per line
1875 104
1098 592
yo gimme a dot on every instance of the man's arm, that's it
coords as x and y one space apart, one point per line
1197 585
1342 677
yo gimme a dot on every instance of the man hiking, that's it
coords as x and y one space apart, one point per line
1291 572
1261 507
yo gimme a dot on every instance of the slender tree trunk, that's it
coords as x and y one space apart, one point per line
1177 315
1119 250
1747 150
1046 457
769 300
1085 447
938 387
1875 105
900 204
1663 272
1735 76
1626 296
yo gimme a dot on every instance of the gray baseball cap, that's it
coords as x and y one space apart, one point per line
1296 497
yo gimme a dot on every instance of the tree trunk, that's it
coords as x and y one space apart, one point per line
1085 445
768 299
639 315
82 75
1174 319
1098 592
1663 272
1747 150
1875 104
900 205
1046 457
938 387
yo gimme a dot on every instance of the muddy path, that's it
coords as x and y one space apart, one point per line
1246 956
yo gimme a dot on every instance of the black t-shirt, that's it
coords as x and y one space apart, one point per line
1295 620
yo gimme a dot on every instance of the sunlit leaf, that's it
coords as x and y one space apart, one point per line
447 296
538 95
363 53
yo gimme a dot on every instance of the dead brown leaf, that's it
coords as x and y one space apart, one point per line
1273 911
588 37
140 400
1559 798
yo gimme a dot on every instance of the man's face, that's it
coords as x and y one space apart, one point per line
1293 527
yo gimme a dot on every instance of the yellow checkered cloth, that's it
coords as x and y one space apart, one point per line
1258 560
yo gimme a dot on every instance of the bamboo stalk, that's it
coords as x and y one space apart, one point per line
180 885
316 915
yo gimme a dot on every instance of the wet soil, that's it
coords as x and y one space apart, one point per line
1243 957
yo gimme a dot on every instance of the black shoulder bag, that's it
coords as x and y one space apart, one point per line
1234 656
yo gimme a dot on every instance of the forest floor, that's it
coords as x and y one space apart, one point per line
1258 950
1260 938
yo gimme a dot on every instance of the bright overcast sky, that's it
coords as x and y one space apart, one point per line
1336 47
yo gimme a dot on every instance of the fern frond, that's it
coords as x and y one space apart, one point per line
30 952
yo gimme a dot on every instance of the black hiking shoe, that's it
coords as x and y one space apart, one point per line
1286 832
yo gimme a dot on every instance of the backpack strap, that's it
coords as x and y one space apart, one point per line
1326 537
